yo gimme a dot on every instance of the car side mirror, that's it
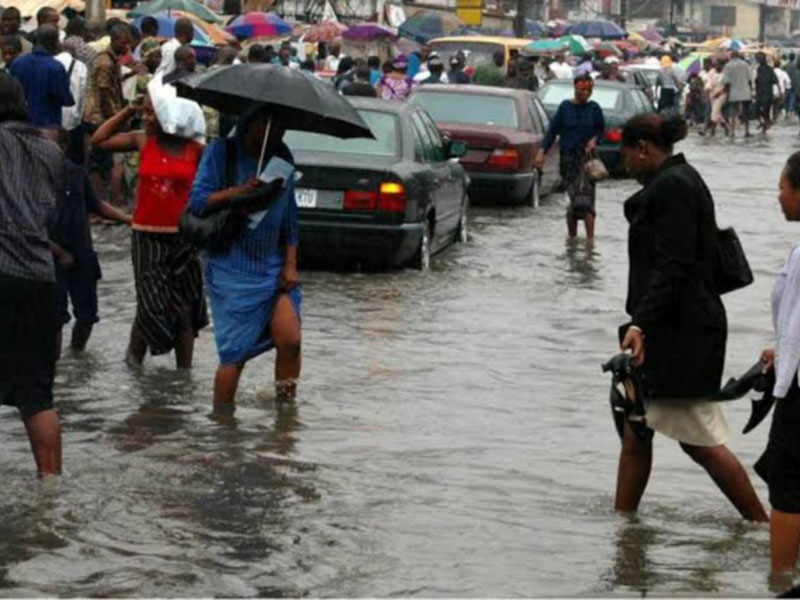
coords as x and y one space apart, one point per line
456 149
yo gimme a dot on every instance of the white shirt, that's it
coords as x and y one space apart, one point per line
784 82
167 65
71 116
786 320
561 70
332 62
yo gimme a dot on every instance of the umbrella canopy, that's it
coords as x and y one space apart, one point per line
606 49
217 35
692 64
428 24
310 104
576 43
605 30
557 28
258 24
188 6
627 46
325 32
731 44
651 35
534 29
166 28
367 32
542 47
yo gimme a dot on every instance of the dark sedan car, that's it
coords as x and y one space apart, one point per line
388 202
619 101
503 129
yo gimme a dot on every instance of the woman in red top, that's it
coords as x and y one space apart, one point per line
170 302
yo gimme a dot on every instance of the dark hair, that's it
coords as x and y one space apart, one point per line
499 57
255 53
662 130
12 99
184 27
345 64
362 72
149 26
226 55
307 65
112 23
47 38
374 62
76 26
387 66
792 170
582 77
119 31
13 41
183 52
44 13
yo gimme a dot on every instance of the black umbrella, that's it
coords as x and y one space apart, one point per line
307 102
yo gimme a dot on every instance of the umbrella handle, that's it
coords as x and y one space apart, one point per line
264 146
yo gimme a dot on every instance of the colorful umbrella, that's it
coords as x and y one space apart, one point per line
692 64
627 47
367 32
576 43
558 27
258 24
600 28
325 32
606 49
730 44
541 47
189 6
166 28
217 35
534 29
651 35
428 24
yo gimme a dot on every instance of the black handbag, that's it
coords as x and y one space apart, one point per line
733 271
215 231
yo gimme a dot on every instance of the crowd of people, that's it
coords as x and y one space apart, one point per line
76 112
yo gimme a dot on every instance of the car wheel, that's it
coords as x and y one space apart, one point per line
463 226
533 195
422 261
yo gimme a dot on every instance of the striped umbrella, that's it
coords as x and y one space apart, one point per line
325 32
217 35
166 28
190 6
258 24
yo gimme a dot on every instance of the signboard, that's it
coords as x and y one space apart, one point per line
793 4
470 11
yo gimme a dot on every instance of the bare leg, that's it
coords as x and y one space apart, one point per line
572 226
784 538
99 185
285 332
117 178
588 222
184 345
137 347
730 476
80 335
633 473
44 433
225 384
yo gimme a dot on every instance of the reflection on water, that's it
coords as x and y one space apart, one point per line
451 435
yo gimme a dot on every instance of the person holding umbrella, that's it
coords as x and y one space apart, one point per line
252 278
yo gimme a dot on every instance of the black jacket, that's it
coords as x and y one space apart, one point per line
673 256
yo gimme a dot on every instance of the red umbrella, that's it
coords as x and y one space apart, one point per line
651 35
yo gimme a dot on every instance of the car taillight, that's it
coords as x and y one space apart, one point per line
504 157
613 135
360 200
392 197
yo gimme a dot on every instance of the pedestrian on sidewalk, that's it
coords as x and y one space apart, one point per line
678 329
34 175
739 91
766 80
170 303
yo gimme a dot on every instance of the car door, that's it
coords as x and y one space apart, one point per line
453 185
551 175
436 178
423 171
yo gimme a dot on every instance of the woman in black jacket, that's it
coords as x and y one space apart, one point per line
678 327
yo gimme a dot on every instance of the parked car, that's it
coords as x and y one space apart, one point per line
640 71
619 101
503 129
638 78
386 202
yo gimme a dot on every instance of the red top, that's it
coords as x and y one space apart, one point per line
165 181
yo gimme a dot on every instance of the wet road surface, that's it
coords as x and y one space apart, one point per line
451 438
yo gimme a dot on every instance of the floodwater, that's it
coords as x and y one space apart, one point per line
452 435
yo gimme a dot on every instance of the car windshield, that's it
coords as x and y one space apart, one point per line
475 52
475 109
384 127
607 98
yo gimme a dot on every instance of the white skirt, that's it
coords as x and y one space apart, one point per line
693 422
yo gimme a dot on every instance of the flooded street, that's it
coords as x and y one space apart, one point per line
452 435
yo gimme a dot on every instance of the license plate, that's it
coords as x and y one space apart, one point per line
306 198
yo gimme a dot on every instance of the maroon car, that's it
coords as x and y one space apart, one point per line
503 129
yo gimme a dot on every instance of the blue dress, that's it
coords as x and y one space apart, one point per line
243 281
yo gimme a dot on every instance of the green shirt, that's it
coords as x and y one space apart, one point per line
488 74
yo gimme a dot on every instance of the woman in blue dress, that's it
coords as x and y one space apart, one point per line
253 284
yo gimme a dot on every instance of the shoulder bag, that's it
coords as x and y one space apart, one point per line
733 270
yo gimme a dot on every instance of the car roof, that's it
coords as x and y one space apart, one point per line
481 90
378 104
598 83
484 39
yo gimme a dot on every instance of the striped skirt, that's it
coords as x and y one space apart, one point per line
169 282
